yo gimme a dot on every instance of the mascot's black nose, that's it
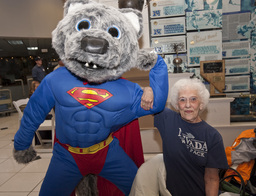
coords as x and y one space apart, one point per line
94 45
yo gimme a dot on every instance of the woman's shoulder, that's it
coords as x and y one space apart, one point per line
166 113
213 132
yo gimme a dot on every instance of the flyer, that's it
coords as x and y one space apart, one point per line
204 46
232 22
237 83
236 49
166 8
168 26
237 66
231 6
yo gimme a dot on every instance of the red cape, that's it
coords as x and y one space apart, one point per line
130 140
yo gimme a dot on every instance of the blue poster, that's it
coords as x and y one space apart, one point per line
207 19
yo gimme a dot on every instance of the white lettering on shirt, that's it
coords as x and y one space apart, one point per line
195 146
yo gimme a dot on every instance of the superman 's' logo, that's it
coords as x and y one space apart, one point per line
89 97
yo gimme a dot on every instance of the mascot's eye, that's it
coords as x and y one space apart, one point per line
83 24
114 31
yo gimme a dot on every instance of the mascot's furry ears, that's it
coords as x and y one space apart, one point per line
131 15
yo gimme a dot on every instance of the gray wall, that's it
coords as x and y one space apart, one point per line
29 18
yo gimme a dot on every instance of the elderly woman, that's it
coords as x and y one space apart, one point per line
193 151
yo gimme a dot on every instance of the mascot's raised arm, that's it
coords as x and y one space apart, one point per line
97 44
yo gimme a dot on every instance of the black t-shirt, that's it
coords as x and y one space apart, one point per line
188 149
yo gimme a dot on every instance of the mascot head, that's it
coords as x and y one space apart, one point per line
97 42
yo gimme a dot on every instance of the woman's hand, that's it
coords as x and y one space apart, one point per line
147 98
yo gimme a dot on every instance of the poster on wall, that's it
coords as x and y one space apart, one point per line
237 83
192 5
213 4
237 66
236 49
166 8
168 26
238 5
231 6
247 5
167 44
206 19
230 25
204 46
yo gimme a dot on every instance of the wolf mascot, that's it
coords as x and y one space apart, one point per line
97 44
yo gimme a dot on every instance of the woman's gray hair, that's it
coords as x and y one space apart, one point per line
192 83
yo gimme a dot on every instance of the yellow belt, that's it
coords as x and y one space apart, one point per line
92 149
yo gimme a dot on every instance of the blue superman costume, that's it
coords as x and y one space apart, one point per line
87 114
130 140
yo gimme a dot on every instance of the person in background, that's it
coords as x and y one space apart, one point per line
38 72
33 87
193 151
60 64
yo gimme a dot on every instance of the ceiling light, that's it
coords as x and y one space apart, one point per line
32 48
44 50
15 42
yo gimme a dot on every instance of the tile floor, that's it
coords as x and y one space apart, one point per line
18 179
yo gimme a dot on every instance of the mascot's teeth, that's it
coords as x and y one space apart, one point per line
90 65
